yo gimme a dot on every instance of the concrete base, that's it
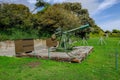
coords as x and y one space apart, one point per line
41 51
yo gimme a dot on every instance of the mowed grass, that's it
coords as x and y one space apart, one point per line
99 65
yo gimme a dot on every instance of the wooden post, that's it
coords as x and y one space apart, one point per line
116 60
48 52
119 43
0 44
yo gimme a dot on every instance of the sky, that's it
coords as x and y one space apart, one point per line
106 13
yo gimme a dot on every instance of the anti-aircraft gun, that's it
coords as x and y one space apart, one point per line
64 39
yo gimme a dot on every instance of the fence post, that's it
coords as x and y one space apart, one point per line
48 52
119 43
116 60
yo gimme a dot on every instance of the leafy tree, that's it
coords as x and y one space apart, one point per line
15 16
107 31
65 16
82 14
115 31
77 10
55 17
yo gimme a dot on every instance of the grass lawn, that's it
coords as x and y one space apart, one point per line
99 65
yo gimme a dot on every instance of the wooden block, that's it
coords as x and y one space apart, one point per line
51 43
18 46
24 45
75 60
28 42
29 48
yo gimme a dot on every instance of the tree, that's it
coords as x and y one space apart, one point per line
56 17
115 31
15 16
107 31
77 10
83 15
65 16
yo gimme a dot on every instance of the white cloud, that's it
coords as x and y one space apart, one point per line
32 1
94 6
91 5
110 25
105 4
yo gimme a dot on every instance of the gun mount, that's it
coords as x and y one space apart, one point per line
64 39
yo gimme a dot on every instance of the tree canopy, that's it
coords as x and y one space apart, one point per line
63 15
66 16
15 15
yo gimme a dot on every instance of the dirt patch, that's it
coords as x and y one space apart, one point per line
33 64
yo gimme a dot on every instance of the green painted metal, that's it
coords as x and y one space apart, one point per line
64 36
78 28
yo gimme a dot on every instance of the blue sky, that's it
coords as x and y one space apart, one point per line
106 13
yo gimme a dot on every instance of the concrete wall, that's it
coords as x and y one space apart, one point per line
7 48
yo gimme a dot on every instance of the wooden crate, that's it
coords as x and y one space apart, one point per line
24 45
